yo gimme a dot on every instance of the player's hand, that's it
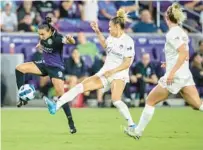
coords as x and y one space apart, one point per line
38 46
21 103
163 65
170 79
70 39
108 73
95 26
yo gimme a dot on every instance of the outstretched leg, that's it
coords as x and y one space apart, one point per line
89 84
20 71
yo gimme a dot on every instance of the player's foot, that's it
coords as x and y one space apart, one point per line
21 103
51 105
132 132
73 130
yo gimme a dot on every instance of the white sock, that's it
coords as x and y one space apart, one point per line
70 95
122 107
201 107
145 118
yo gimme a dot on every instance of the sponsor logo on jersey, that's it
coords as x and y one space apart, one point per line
129 48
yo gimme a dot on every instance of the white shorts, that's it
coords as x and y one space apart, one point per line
177 85
107 81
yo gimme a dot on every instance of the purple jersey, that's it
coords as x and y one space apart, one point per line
53 50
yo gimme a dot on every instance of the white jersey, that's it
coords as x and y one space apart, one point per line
183 77
117 50
174 39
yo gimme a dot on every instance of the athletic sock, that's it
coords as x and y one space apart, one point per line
67 111
20 78
123 109
70 95
145 118
201 107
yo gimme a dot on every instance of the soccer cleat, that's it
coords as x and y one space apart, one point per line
132 132
21 103
73 130
51 105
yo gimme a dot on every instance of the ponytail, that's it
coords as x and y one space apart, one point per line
47 25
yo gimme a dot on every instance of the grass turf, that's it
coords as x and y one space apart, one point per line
100 129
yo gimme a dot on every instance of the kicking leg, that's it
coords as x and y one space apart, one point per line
21 70
89 84
191 95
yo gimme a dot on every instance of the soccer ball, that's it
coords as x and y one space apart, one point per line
27 92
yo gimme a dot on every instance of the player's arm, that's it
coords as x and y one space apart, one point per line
183 55
125 65
38 46
100 36
128 56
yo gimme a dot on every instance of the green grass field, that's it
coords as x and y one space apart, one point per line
100 129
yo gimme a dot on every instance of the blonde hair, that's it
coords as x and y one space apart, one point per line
122 14
121 18
176 14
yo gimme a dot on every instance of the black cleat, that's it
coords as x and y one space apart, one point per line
73 130
21 103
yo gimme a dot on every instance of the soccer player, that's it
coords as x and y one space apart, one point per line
178 77
115 72
52 64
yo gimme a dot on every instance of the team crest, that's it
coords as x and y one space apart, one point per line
50 41
60 74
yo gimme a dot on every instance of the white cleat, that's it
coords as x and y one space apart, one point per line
132 132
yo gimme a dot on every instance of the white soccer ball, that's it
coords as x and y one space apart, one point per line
27 92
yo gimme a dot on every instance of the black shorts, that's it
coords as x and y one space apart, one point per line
51 71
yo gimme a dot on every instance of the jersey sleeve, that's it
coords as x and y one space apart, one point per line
59 39
177 40
130 51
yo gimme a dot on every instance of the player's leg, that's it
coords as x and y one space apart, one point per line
191 95
117 87
24 68
20 71
59 88
157 95
100 95
89 84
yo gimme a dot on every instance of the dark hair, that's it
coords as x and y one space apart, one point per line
46 25
120 18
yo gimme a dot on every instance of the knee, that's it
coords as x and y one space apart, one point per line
115 97
21 68
151 103
73 80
